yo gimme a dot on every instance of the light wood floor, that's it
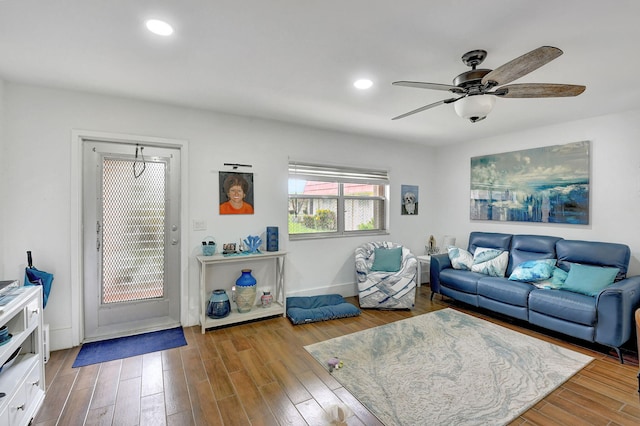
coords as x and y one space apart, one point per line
259 374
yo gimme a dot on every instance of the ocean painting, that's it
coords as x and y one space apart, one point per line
548 184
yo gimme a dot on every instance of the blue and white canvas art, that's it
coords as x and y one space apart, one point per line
548 184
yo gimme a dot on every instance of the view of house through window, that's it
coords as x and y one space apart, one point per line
329 200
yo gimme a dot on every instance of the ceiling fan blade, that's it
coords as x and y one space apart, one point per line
538 90
432 86
435 104
521 66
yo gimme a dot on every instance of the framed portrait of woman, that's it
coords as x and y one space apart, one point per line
236 193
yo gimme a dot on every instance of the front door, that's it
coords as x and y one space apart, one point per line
131 238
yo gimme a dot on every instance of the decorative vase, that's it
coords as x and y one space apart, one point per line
266 299
219 305
245 291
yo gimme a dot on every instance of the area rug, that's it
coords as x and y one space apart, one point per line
447 368
125 347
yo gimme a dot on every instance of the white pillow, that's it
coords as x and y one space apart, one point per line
490 261
460 259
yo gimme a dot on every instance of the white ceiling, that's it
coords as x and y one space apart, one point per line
296 60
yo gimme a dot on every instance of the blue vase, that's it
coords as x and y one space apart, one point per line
245 291
219 305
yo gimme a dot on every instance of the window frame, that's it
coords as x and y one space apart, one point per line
341 175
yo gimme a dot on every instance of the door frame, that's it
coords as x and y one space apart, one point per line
78 138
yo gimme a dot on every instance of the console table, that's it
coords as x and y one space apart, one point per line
278 307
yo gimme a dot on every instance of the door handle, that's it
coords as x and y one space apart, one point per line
174 241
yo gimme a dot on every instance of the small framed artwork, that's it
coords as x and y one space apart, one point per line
409 195
236 193
228 248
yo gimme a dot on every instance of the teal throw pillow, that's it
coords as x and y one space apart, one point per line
533 270
589 280
460 258
387 260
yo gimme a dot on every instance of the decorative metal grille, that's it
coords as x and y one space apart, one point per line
133 231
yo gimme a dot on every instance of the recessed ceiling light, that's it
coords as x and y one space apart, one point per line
363 84
159 27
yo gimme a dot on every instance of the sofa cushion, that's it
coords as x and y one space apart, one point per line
503 290
460 259
566 305
490 240
387 259
589 280
594 253
530 247
533 270
464 281
490 261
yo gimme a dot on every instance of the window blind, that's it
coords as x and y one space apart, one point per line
321 172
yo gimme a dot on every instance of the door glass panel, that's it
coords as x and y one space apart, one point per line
133 231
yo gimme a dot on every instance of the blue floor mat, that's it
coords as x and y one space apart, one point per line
125 347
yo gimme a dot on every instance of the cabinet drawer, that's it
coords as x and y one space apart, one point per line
17 407
33 385
32 313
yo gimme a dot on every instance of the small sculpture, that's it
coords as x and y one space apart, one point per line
252 243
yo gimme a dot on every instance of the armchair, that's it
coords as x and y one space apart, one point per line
385 289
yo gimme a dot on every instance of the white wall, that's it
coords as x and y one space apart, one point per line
614 183
36 164
2 174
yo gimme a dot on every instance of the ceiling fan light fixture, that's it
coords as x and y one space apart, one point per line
363 84
159 27
474 107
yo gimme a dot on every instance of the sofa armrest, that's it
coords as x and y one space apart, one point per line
438 263
615 307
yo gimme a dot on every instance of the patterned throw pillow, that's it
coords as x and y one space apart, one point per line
490 261
460 259
533 270
558 277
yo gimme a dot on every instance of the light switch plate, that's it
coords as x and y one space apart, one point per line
199 225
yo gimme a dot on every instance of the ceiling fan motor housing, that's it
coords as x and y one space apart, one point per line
471 80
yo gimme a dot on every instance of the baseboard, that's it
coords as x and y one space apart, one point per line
60 339
345 290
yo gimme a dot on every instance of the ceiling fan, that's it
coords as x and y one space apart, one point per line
478 88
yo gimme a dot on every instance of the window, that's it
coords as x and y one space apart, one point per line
335 201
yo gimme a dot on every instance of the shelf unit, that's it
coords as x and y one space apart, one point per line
278 307
23 381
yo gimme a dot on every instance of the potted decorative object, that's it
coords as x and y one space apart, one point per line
208 246
266 298
245 291
219 305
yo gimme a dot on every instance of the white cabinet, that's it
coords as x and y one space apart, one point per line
207 268
22 383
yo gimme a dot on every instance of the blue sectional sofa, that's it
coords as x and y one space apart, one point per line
606 317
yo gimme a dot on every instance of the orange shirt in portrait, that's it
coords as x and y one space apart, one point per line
227 208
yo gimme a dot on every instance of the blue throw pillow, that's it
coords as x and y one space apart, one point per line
589 280
533 270
387 260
